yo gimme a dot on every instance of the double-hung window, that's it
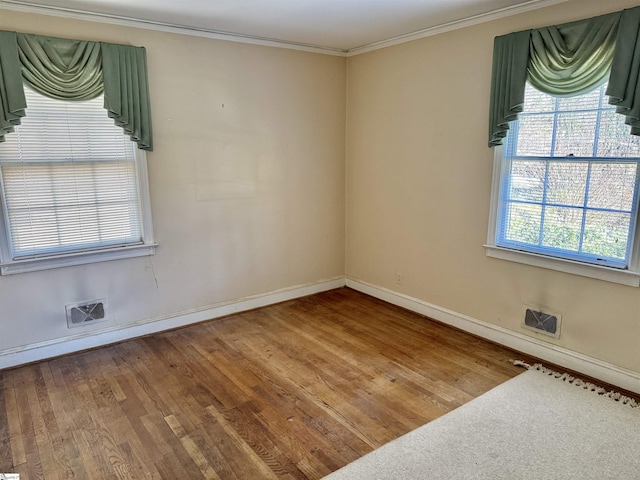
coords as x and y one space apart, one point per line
565 192
566 153
73 188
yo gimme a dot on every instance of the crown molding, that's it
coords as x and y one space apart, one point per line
455 25
27 7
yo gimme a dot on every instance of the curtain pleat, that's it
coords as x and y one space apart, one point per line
573 58
76 70
624 82
12 101
126 92
61 68
510 60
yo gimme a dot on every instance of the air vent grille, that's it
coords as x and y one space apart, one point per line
542 322
85 312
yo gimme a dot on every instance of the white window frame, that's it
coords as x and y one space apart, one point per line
630 276
8 266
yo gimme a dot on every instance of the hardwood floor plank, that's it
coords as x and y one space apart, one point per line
173 461
290 391
253 458
6 458
260 439
44 456
192 449
16 435
52 397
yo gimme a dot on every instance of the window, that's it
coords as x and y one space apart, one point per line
566 188
74 188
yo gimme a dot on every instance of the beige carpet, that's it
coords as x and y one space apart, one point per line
534 427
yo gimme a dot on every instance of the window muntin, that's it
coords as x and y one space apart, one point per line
569 182
70 183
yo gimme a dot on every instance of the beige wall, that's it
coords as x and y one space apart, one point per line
418 188
247 183
247 186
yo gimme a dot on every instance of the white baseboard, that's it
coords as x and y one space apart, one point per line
607 372
592 367
76 343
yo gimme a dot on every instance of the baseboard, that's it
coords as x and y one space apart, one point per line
54 348
592 367
607 372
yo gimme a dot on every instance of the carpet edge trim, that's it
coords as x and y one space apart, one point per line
580 383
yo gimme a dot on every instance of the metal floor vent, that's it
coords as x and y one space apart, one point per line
85 312
542 322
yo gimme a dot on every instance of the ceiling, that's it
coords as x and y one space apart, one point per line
333 25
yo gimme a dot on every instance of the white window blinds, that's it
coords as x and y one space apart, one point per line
69 181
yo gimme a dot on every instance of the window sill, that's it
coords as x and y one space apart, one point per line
59 261
624 277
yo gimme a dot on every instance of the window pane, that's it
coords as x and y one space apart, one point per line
63 130
567 183
576 134
614 139
566 201
606 234
586 101
536 101
523 223
69 180
562 227
612 186
70 206
527 181
535 134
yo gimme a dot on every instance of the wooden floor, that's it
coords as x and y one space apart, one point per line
295 390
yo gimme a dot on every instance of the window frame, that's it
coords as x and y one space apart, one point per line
629 276
9 266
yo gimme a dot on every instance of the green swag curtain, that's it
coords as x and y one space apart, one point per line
566 60
76 70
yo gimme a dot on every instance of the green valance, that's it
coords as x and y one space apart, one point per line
567 60
624 83
76 70
573 58
126 91
61 68
12 101
510 60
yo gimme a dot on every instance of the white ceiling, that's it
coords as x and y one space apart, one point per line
340 25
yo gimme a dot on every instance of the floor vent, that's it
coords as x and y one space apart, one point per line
85 312
542 322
